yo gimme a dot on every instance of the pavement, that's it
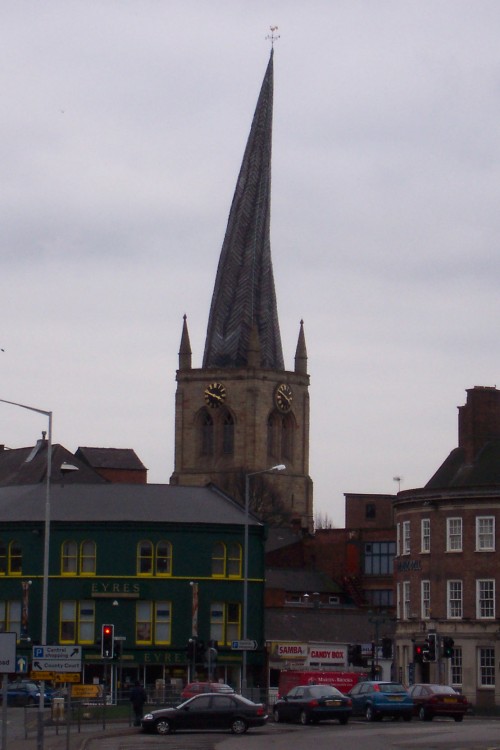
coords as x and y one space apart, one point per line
77 740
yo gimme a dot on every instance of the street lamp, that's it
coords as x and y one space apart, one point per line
278 467
46 547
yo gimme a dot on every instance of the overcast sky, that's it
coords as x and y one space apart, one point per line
122 132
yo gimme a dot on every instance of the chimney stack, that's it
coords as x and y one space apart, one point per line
478 420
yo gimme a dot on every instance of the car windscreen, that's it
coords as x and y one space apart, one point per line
391 687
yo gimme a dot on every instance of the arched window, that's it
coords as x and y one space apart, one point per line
227 434
271 450
234 560
69 558
145 558
15 559
219 560
87 558
286 438
206 434
164 558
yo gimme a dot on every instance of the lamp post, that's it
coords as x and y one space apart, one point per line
376 619
46 548
278 467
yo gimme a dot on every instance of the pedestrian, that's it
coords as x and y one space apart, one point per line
138 698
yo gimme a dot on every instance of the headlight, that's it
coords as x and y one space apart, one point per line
147 717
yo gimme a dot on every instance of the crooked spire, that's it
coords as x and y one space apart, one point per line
244 296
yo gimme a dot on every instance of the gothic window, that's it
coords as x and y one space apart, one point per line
270 436
207 434
280 430
227 434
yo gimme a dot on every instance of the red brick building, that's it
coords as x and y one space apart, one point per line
447 569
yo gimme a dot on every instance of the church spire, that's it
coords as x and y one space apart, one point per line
301 352
244 294
185 348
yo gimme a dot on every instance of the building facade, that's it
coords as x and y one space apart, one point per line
163 564
447 568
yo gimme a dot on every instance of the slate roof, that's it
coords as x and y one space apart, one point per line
244 296
29 466
116 503
111 458
455 472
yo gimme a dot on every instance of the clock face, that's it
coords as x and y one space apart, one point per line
215 393
283 397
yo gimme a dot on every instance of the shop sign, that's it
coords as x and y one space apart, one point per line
289 651
107 590
327 655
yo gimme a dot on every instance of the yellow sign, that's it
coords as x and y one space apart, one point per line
56 676
84 691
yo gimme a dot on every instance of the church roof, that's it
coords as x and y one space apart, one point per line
244 294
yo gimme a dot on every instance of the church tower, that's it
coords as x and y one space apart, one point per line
242 413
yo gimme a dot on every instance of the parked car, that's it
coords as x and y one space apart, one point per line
438 700
374 700
207 711
195 688
22 694
312 704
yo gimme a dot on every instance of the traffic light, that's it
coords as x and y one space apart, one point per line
191 649
354 656
200 652
448 644
418 653
387 648
107 641
432 650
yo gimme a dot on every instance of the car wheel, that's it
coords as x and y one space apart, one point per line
458 718
239 726
304 718
344 719
30 701
370 713
406 717
163 726
276 716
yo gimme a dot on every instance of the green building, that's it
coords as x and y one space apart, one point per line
164 564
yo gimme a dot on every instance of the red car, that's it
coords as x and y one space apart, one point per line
195 688
438 700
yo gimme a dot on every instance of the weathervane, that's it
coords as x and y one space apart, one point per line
272 36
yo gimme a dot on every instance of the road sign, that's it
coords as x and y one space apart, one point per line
21 664
7 652
244 645
84 691
57 659
56 677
